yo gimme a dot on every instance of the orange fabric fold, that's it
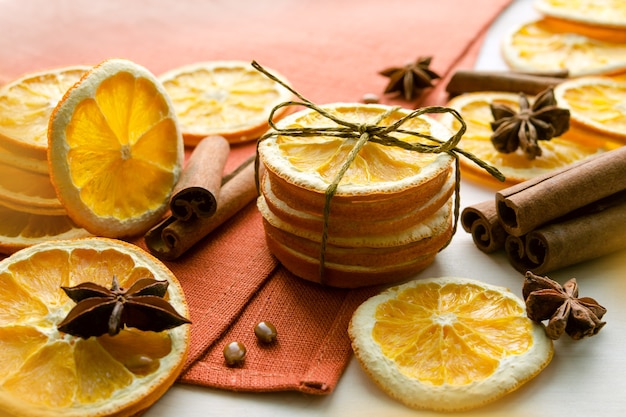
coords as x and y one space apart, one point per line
330 51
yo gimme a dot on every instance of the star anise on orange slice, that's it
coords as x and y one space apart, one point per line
100 310
410 79
546 299
524 129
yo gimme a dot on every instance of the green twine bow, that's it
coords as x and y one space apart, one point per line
368 132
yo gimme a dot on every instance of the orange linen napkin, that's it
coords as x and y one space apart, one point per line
242 285
330 51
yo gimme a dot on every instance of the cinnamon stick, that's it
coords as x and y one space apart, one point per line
173 237
481 220
196 191
528 205
467 81
576 239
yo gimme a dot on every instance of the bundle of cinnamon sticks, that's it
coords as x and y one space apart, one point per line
203 199
556 220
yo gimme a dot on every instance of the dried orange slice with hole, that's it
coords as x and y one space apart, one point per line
606 13
48 373
545 46
556 153
225 98
597 106
20 229
115 150
26 105
448 344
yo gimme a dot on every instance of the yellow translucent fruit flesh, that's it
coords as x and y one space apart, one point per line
18 343
450 334
100 267
122 148
17 306
375 163
42 276
537 46
26 105
99 375
48 377
602 104
221 97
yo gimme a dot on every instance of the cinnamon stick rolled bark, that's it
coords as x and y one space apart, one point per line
173 237
481 221
528 205
578 239
468 81
196 191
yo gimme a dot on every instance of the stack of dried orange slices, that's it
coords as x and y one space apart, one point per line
391 212
226 98
29 207
516 167
585 37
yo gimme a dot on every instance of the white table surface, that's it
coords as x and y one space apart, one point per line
585 378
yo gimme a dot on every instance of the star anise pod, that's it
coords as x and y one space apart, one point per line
541 121
546 299
410 79
100 310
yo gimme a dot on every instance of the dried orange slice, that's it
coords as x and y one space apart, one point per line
32 192
597 106
17 160
545 46
475 110
115 149
448 344
607 13
26 105
226 98
20 229
392 210
44 372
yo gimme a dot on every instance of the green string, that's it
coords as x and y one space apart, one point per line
362 133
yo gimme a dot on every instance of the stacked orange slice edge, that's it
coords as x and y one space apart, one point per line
31 210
